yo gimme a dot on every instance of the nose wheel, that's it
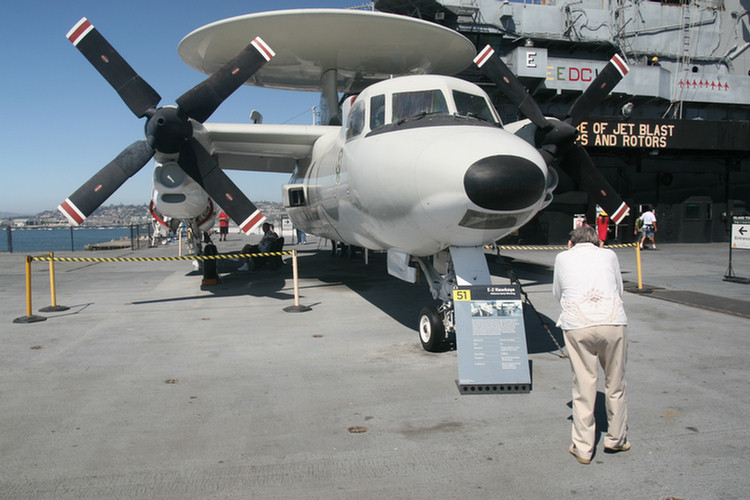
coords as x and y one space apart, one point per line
431 329
436 327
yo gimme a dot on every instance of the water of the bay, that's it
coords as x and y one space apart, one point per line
25 240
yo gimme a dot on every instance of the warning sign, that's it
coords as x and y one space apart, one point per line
645 133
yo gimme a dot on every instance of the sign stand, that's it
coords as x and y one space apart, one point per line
740 239
491 340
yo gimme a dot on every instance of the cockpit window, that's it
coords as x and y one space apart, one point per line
472 105
356 120
377 111
408 104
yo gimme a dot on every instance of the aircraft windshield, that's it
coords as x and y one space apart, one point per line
472 105
408 104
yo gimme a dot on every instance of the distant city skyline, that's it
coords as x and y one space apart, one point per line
62 122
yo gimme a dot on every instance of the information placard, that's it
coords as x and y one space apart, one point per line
491 340
741 232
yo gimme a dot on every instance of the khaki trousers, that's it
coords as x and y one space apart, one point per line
587 348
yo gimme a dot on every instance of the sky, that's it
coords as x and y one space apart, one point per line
60 121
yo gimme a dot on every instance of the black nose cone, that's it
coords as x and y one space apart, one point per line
504 183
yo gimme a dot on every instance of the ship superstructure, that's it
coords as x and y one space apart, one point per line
675 133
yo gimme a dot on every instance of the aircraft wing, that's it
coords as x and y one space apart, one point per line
261 147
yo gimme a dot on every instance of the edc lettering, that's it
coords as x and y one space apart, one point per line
624 135
571 73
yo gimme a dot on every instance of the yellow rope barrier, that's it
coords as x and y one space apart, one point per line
30 318
51 259
553 247
159 259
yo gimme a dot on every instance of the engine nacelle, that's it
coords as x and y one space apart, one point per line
178 196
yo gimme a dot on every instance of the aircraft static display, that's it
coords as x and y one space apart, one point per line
420 167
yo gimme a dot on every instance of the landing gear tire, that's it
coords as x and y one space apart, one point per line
431 330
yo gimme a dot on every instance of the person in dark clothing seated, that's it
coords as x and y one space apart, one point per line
265 245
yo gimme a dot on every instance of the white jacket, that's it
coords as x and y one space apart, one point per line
588 284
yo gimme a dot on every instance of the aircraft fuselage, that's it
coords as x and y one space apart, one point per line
421 163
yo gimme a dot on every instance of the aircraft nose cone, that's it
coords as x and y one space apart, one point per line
504 183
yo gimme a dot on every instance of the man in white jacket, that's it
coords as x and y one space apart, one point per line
588 284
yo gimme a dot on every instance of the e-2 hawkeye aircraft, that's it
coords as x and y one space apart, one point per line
418 165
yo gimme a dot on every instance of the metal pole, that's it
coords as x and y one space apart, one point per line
638 259
10 239
295 277
730 271
72 244
29 318
52 289
53 295
28 285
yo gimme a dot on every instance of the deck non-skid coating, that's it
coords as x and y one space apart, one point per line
152 386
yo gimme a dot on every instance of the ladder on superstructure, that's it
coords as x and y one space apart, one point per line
624 43
680 80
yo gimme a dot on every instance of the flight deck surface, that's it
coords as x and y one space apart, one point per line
152 387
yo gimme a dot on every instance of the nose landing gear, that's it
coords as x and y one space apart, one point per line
444 271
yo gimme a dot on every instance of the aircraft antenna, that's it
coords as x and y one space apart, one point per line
300 114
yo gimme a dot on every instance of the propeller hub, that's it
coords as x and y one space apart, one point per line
558 134
504 182
168 129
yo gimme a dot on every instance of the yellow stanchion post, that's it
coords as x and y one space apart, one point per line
29 318
295 277
52 290
638 263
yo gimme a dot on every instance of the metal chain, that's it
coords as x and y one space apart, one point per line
514 279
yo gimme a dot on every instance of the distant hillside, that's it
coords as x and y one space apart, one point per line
13 215
125 214
107 214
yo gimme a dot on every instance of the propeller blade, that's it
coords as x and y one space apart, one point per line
554 138
137 94
168 129
581 168
203 99
96 190
602 85
497 71
201 166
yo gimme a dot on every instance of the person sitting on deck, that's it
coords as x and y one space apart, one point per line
269 236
